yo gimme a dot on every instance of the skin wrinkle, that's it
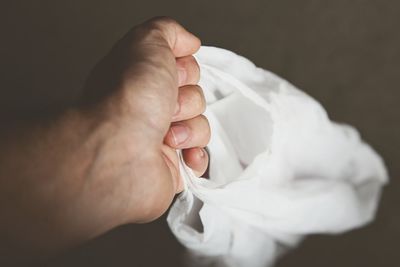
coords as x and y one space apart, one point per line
104 162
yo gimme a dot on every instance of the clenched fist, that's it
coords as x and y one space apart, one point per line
112 159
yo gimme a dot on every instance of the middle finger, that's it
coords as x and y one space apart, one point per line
191 103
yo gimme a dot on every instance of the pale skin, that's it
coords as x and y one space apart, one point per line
112 159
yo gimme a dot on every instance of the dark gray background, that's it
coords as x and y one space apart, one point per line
344 53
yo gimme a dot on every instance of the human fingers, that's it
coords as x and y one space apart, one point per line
191 103
142 67
189 133
181 42
197 159
188 70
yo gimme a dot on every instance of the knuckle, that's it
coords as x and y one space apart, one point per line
163 25
156 28
146 33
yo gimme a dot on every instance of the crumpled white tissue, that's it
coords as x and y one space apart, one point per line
279 168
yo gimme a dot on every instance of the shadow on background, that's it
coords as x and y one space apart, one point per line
344 53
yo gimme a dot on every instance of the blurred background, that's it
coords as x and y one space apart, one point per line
346 54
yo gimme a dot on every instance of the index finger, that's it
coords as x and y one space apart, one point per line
181 42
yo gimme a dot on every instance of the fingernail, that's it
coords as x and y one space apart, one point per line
182 75
180 133
202 153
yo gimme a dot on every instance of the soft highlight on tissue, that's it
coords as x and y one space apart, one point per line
279 169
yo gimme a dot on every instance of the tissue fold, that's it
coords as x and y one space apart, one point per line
279 169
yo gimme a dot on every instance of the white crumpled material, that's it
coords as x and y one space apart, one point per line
279 168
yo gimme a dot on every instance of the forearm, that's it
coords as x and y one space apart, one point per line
73 177
43 166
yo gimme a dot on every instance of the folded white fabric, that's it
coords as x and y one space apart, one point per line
279 168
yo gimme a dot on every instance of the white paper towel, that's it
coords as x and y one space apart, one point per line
279 168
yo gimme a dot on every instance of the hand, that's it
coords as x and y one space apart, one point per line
136 87
112 160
